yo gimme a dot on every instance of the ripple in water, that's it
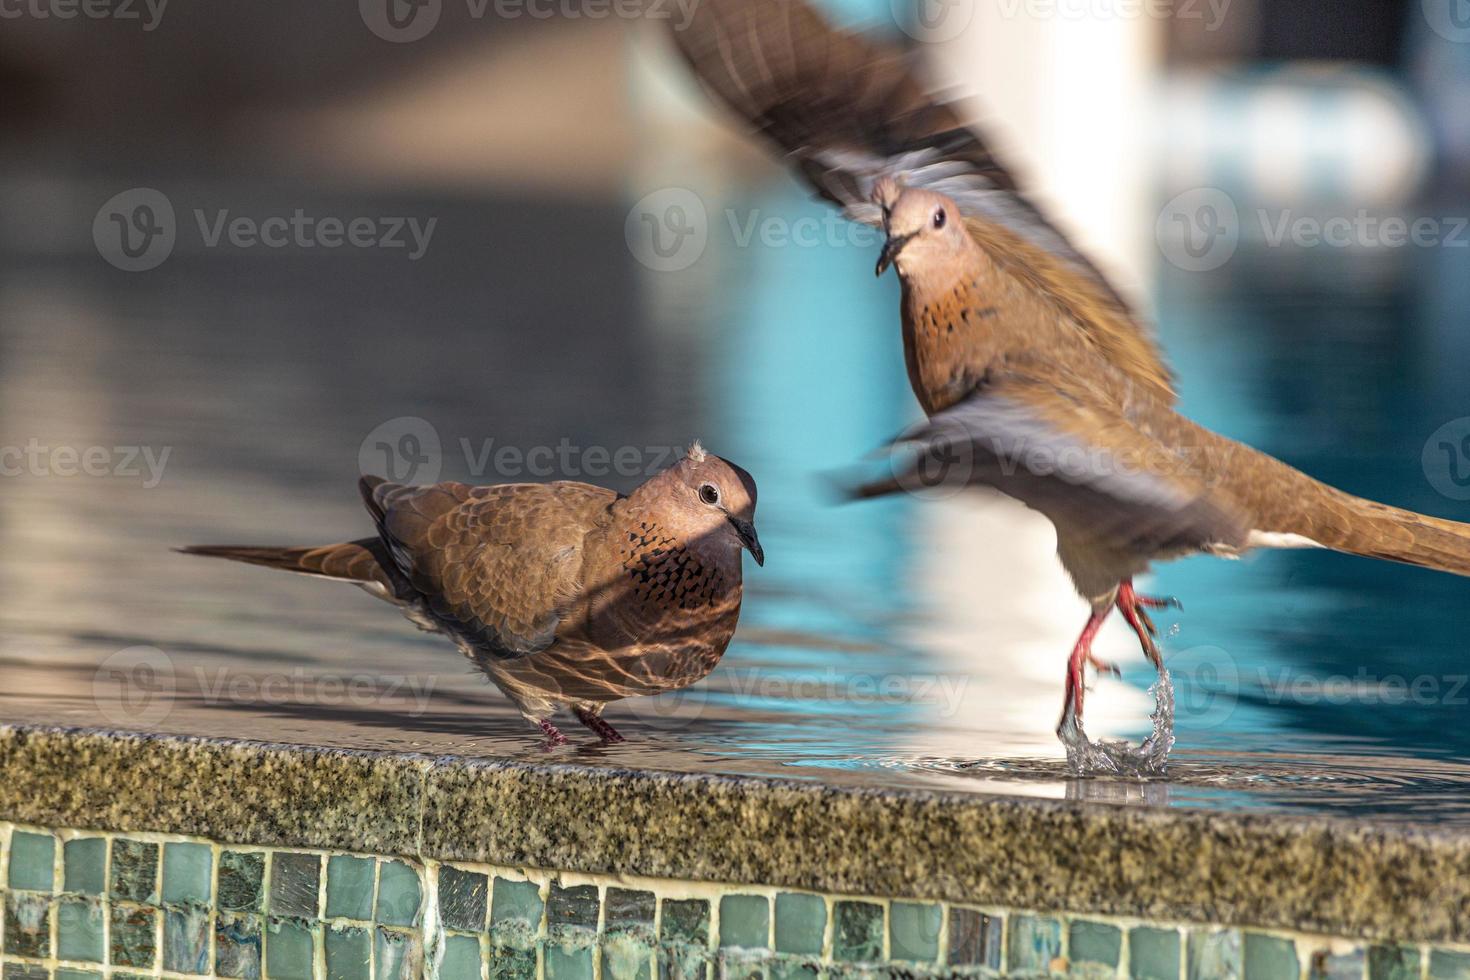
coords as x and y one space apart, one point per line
1116 757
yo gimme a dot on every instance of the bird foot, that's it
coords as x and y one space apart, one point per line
1134 608
1081 656
604 731
554 737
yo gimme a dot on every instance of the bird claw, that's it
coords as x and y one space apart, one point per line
554 737
1105 666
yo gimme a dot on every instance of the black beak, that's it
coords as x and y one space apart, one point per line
891 247
746 531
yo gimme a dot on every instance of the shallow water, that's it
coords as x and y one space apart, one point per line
905 643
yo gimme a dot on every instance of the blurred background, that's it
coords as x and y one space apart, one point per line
250 250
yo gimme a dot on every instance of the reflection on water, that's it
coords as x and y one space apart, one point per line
904 643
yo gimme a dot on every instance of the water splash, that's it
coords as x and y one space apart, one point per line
1116 757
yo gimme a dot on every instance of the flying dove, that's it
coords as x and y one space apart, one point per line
564 594
1036 376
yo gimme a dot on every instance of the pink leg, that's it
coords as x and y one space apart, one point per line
595 722
1081 655
1134 608
554 737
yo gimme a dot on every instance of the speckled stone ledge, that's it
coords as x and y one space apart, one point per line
1308 875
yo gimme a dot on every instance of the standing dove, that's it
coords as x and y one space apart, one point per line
1036 377
564 594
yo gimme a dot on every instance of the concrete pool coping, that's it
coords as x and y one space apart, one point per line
1309 874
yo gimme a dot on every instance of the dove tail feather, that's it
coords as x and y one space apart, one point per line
363 562
1393 534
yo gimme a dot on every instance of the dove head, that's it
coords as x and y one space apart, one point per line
924 228
709 502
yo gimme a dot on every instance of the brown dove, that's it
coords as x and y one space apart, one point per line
1037 378
564 594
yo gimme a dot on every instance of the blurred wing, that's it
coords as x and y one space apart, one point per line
499 564
847 110
1040 439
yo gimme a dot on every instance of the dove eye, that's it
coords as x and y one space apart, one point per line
939 218
710 494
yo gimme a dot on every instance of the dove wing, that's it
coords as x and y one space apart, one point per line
1038 437
499 565
847 109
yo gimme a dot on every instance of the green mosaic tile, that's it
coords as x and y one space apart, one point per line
237 941
913 932
1393 963
1095 942
566 963
745 921
399 894
1035 942
857 931
461 959
241 881
1447 965
1153 954
80 931
975 939
28 925
626 958
683 963
32 861
463 899
400 955
296 881
516 901
574 907
188 871
737 963
290 951
134 870
350 887
84 865
1270 958
1444 964
67 973
134 937
1214 954
349 952
507 963
26 971
685 920
799 969
628 909
801 923
186 940
1326 965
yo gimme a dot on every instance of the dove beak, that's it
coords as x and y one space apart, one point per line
891 247
746 532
